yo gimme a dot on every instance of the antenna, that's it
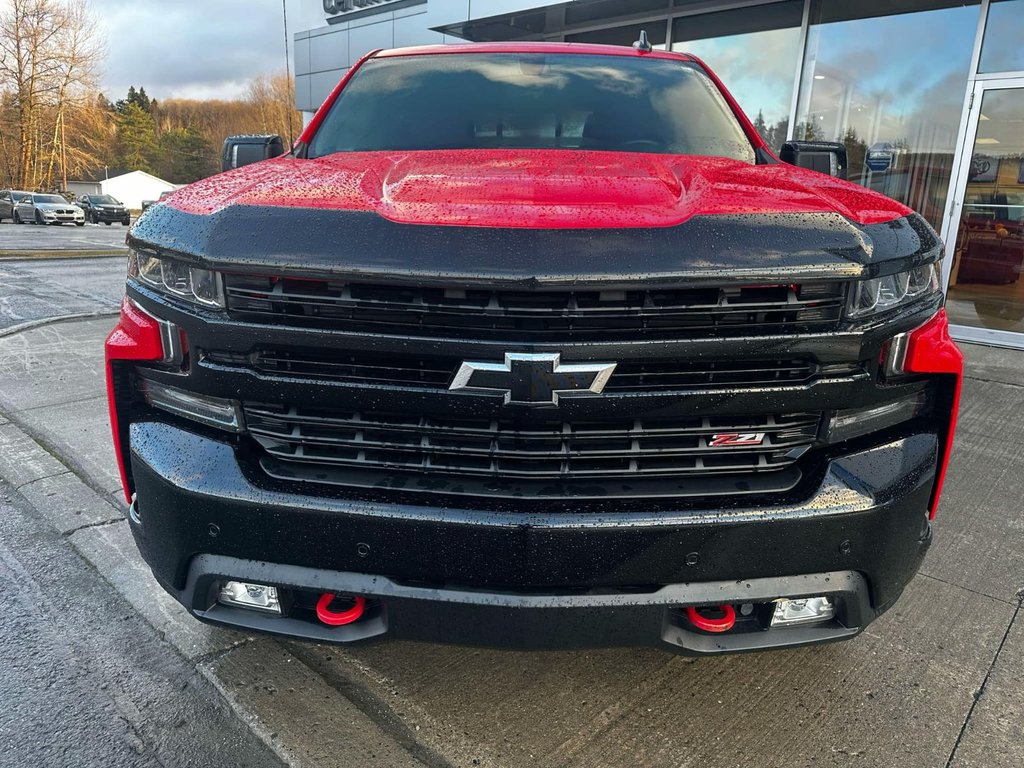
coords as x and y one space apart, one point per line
288 76
643 44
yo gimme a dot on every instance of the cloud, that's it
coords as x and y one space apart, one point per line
915 94
190 49
757 68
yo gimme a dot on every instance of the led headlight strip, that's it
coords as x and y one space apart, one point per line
881 294
176 278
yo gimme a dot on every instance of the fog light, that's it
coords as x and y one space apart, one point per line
805 610
212 411
856 422
259 597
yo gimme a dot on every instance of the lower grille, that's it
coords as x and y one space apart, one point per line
533 448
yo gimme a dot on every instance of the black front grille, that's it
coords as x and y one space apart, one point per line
536 315
434 372
532 448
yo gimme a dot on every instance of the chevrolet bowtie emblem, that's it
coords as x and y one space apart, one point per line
536 380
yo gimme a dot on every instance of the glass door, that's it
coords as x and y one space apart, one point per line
985 236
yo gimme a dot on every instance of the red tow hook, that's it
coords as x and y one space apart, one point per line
339 618
711 623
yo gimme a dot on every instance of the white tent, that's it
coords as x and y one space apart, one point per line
130 188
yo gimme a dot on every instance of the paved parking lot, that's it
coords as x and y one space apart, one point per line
29 238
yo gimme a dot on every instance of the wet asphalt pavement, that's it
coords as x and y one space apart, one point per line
86 681
62 237
31 291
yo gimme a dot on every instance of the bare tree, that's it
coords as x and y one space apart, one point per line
49 54
271 96
79 50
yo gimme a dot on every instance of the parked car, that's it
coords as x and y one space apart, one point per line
104 208
563 356
8 199
148 203
37 208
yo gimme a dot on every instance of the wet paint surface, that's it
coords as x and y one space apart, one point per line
535 189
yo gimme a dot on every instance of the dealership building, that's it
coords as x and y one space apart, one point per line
928 97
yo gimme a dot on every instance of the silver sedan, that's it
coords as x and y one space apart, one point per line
37 208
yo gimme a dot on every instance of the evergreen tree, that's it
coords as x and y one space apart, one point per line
136 139
137 98
809 131
762 127
185 156
143 100
121 104
856 149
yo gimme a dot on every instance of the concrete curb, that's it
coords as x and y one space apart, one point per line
30 324
61 254
279 698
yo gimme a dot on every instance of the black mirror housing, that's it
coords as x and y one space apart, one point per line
828 157
248 149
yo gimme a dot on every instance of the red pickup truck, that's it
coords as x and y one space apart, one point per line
534 345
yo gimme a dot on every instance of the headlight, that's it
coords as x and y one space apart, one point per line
881 294
174 277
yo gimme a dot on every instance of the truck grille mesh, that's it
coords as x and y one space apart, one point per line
535 315
432 372
534 449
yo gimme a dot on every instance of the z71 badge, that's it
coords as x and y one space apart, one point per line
736 438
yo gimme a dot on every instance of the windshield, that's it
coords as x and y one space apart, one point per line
49 199
103 200
536 101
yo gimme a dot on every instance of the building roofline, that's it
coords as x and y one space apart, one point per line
118 176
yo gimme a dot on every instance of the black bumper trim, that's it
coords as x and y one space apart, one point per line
531 579
481 617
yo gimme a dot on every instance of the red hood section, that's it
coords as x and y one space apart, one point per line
535 189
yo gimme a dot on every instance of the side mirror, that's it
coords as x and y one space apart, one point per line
245 150
828 157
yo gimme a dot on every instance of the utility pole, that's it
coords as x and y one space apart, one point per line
63 156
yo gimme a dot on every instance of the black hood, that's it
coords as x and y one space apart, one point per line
362 245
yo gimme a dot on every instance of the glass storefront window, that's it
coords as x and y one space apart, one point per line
624 35
888 80
986 281
1002 49
756 53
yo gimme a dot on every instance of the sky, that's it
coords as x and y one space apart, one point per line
191 48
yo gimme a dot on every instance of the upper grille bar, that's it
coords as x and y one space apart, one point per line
417 311
432 372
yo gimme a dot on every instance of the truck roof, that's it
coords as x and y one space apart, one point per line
530 47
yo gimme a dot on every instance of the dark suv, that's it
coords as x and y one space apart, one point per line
104 208
539 345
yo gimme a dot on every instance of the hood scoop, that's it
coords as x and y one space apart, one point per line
502 190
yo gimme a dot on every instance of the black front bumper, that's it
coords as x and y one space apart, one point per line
531 579
111 216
